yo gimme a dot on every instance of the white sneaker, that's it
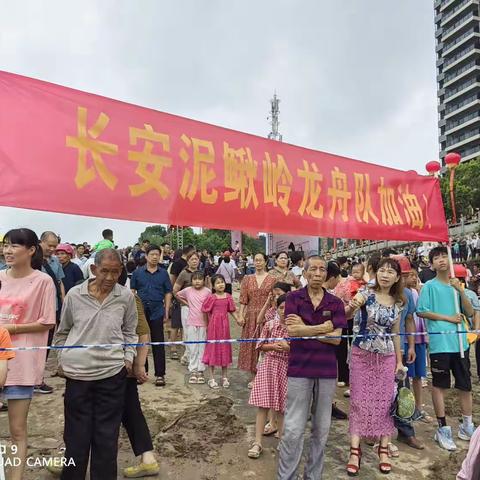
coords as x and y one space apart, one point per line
445 439
465 432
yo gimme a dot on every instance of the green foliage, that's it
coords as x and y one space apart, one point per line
211 240
254 245
466 188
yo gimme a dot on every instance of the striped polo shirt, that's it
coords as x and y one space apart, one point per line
311 358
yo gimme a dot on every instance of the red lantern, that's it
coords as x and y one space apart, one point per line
452 159
433 167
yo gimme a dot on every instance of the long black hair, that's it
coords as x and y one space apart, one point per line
27 238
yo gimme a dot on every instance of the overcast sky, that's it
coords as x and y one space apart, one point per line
355 78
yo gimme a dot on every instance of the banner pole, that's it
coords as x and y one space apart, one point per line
457 304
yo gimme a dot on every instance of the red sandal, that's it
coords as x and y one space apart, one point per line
352 470
384 467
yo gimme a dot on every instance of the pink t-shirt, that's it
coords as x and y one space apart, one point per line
27 300
195 299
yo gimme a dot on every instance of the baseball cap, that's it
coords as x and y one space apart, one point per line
404 263
227 253
65 247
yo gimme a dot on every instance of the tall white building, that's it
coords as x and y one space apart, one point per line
457 25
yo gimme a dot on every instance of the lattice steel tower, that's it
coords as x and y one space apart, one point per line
273 135
274 116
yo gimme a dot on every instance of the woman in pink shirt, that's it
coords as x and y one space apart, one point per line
27 312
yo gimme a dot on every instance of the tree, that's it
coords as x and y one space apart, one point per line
466 188
254 245
157 234
211 240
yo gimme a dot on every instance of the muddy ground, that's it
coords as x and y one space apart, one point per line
213 430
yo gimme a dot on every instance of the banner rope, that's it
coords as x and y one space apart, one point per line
234 340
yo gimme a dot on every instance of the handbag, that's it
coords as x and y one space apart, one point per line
403 406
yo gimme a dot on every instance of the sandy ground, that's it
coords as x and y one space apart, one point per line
210 439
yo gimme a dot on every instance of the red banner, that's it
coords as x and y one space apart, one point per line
63 150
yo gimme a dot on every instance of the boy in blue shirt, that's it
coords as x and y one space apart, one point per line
436 304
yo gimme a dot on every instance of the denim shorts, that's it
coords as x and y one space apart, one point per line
16 392
418 368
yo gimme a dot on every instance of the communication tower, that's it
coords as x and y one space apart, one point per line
273 135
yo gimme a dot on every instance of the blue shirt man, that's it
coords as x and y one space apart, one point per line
153 286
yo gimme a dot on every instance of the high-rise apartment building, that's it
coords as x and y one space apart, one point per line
457 27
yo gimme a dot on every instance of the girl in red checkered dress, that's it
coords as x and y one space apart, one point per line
270 386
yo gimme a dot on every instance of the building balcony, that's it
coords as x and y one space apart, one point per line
457 75
456 11
458 25
463 122
471 153
445 4
470 85
465 139
460 57
464 106
459 42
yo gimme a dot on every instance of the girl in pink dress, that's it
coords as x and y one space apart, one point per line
270 385
218 305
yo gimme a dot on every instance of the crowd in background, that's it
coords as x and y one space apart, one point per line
72 294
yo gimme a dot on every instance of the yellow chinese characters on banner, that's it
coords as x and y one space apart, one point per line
311 192
86 142
339 194
411 208
277 182
201 173
150 165
167 162
240 171
363 201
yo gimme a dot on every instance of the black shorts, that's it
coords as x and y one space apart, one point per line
441 364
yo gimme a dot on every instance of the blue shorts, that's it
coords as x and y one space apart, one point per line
16 392
418 368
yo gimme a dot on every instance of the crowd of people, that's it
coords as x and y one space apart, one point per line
371 329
